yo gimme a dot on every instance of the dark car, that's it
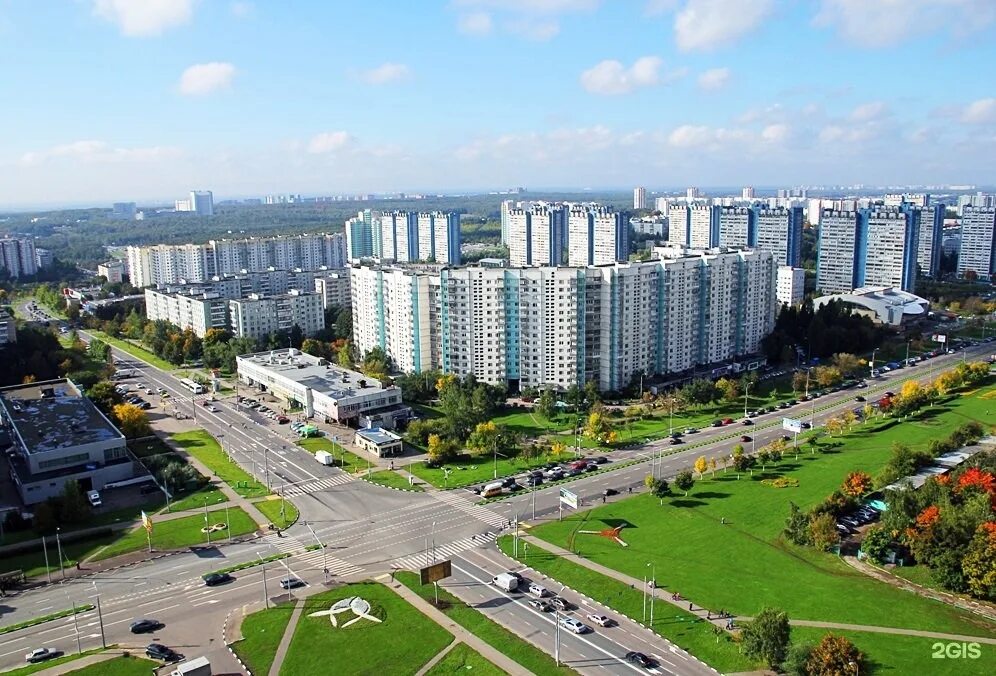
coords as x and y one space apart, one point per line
158 651
786 437
717 423
859 398
610 492
507 482
601 459
746 421
591 467
534 481
675 441
214 579
639 659
745 438
143 626
291 583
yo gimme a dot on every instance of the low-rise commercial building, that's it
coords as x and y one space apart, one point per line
379 442
112 271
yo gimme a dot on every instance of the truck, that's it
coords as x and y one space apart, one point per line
506 582
199 666
325 458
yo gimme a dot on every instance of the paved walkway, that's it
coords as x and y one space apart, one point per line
439 656
500 660
285 641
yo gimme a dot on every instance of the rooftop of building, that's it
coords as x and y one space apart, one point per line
313 372
379 436
54 414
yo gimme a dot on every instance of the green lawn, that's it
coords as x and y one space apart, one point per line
208 495
349 462
125 665
401 643
477 469
394 480
32 668
463 659
748 564
261 632
271 509
133 350
178 533
205 448
486 629
33 562
97 518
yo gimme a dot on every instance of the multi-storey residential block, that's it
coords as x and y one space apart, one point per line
978 243
891 246
747 193
703 226
677 224
928 256
198 313
841 244
259 316
112 271
334 289
779 230
536 235
736 226
596 235
791 285
439 237
914 199
359 239
8 329
639 198
18 256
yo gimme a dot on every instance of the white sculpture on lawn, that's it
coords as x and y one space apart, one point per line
354 604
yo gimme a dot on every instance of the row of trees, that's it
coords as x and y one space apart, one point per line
831 329
466 408
767 638
818 527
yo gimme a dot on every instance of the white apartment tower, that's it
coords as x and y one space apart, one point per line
978 243
736 226
18 256
536 234
890 252
202 202
639 198
791 285
841 239
703 226
596 235
747 193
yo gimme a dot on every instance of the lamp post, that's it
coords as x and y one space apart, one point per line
48 571
494 447
907 362
76 626
871 364
746 392
556 644
325 564
645 594
58 544
100 617
653 589
262 571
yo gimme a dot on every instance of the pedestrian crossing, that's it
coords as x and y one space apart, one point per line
285 544
317 485
335 565
477 511
446 551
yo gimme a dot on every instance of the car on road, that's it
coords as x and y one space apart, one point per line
534 481
283 420
161 390
573 625
291 583
158 651
214 579
746 438
639 659
537 590
213 409
860 399
786 437
727 421
561 604
746 421
94 498
600 620
608 492
541 605
676 441
717 423
149 390
144 626
600 460
41 654
690 430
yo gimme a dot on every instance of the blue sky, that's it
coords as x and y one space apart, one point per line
144 99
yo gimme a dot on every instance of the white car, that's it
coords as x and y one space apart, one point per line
41 654
576 626
600 620
537 590
213 409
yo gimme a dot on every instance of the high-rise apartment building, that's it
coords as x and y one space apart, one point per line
639 198
678 219
399 236
438 237
661 204
335 250
596 235
333 288
169 264
978 243
891 247
536 235
124 210
791 285
779 230
747 193
736 226
112 271
840 245
202 202
915 199
259 316
198 313
692 194
359 239
928 256
703 226
18 257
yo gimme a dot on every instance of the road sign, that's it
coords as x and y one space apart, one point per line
568 498
792 425
436 572
939 338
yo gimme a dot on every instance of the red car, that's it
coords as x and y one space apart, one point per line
283 420
727 421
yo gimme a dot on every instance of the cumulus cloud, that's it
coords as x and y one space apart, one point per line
386 73
98 152
206 78
775 133
141 18
328 142
611 77
475 23
241 9
713 79
885 23
980 112
869 111
705 25
533 29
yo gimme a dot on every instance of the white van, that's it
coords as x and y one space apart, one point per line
94 498
506 582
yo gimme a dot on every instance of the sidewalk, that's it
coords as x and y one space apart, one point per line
285 640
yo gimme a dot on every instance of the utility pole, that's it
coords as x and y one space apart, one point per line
48 570
746 392
325 564
58 544
76 626
262 570
871 364
266 467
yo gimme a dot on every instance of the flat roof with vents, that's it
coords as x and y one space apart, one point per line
52 415
315 373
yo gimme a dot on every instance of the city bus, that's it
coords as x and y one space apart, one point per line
196 388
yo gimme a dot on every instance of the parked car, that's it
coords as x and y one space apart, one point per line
145 626
214 579
291 583
283 420
600 620
561 604
608 492
41 654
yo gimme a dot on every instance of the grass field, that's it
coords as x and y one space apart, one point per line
177 533
208 495
401 643
271 509
477 469
393 480
349 462
205 448
125 665
463 659
489 631
134 350
261 632
749 564
33 668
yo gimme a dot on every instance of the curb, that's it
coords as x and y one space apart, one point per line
393 488
224 632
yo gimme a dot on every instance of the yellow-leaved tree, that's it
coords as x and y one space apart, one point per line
701 465
132 420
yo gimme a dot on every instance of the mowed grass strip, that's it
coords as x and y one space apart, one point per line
205 448
744 564
179 533
271 509
125 665
402 643
261 632
134 350
463 659
347 461
393 480
32 668
486 629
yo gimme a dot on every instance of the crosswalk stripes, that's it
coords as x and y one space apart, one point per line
284 544
477 511
317 485
445 551
336 565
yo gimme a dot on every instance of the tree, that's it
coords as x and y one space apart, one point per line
867 411
557 449
317 348
596 427
979 563
877 544
834 426
766 637
546 405
848 363
132 420
215 336
684 481
827 376
728 389
46 517
823 532
857 483
376 363
712 466
73 506
344 355
439 449
796 659
833 656
799 381
701 465
797 525
660 489
699 392
104 395
344 324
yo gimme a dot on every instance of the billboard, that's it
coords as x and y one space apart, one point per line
939 338
792 425
568 498
436 572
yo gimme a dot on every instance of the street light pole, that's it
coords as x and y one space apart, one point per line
262 571
48 570
58 544
871 364
746 392
653 592
76 626
325 564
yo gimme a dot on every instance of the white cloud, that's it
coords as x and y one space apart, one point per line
206 78
534 6
328 142
704 25
386 73
884 23
610 77
776 133
713 79
140 18
689 136
98 152
533 29
980 112
869 111
658 7
241 8
475 23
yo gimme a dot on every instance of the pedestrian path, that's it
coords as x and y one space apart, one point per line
480 513
317 485
445 551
